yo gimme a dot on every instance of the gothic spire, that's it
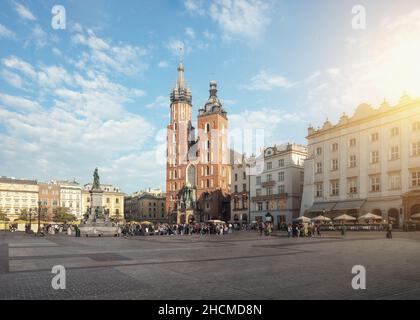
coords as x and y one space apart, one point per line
180 82
181 93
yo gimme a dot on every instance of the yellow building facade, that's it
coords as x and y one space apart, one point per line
16 195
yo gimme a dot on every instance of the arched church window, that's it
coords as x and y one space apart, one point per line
207 170
207 127
191 175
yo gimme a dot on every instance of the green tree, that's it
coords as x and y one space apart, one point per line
44 213
62 214
3 215
24 214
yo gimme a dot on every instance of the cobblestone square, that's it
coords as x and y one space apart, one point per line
238 266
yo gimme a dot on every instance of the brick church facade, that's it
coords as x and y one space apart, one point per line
198 167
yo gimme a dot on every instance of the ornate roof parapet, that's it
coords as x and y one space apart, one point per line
405 99
385 106
344 119
327 125
284 148
311 129
364 111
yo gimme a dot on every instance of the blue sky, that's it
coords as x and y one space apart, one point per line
96 93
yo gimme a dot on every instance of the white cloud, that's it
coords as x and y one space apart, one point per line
105 56
383 64
87 125
208 35
15 63
160 102
263 124
267 118
195 7
163 64
40 36
44 77
177 47
266 81
190 33
19 103
56 51
334 72
147 167
6 33
242 18
24 12
13 79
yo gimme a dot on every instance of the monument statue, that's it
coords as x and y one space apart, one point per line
187 198
97 221
96 184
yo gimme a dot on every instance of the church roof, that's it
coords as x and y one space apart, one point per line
213 104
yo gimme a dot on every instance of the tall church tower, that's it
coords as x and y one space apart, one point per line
179 136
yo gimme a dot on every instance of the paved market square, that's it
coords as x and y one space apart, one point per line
241 266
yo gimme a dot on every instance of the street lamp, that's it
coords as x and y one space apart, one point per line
39 217
30 220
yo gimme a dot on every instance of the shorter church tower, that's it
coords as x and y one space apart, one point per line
214 169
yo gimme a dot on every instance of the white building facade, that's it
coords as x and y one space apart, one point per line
277 184
71 197
369 162
240 189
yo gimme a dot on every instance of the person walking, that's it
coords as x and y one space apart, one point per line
289 231
389 231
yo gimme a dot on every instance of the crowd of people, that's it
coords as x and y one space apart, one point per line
303 230
53 229
134 229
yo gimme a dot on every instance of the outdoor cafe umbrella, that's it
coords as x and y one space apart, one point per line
215 221
321 218
416 216
344 217
370 216
303 219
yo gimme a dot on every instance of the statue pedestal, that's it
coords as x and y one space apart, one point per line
97 223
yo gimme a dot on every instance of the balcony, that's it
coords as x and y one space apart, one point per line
268 184
278 196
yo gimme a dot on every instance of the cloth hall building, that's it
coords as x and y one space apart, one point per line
369 162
